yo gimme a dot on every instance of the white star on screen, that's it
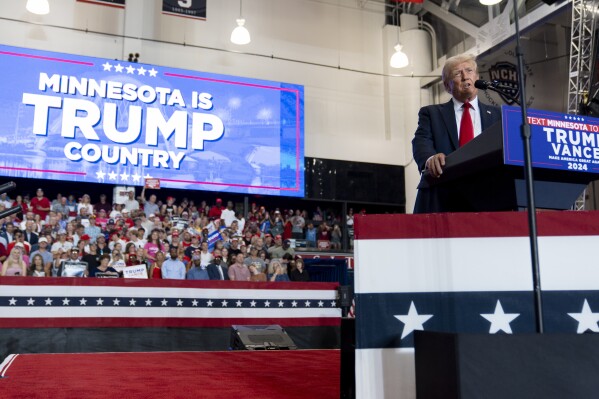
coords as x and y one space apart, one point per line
153 72
147 176
124 176
500 321
107 66
83 302
141 71
66 302
587 320
112 176
12 301
130 70
148 302
100 175
412 321
136 177
118 68
30 302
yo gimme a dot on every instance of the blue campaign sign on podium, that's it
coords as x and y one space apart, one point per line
558 141
69 117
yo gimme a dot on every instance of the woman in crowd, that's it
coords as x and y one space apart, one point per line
299 273
85 202
19 201
104 269
37 266
336 237
156 267
278 273
226 256
117 262
153 246
14 264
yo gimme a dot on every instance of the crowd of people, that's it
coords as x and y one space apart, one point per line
172 239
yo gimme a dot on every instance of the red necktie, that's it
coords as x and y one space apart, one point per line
466 125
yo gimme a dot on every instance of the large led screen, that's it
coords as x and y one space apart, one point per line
68 117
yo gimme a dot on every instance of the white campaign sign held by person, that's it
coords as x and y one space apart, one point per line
136 271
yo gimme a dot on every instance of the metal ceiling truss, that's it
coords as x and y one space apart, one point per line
581 63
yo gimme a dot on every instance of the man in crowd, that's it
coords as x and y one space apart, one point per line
40 205
173 268
131 203
198 271
216 211
150 206
62 208
73 266
238 271
228 214
30 236
255 260
298 223
102 205
217 270
93 231
62 245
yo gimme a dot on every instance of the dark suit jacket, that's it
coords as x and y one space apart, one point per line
438 132
213 273
31 238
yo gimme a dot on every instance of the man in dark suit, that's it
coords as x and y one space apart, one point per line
438 132
218 270
30 236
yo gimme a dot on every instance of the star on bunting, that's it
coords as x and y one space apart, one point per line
412 321
587 320
500 321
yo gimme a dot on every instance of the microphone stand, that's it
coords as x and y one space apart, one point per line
532 216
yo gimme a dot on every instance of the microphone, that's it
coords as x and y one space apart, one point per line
485 84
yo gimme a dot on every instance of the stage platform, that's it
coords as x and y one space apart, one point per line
176 375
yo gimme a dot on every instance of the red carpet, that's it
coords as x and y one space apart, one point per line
235 374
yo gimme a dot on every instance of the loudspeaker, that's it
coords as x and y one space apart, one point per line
531 366
346 294
271 337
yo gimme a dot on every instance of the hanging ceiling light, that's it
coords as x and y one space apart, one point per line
399 59
489 2
39 7
240 34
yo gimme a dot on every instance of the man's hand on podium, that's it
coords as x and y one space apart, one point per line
435 164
